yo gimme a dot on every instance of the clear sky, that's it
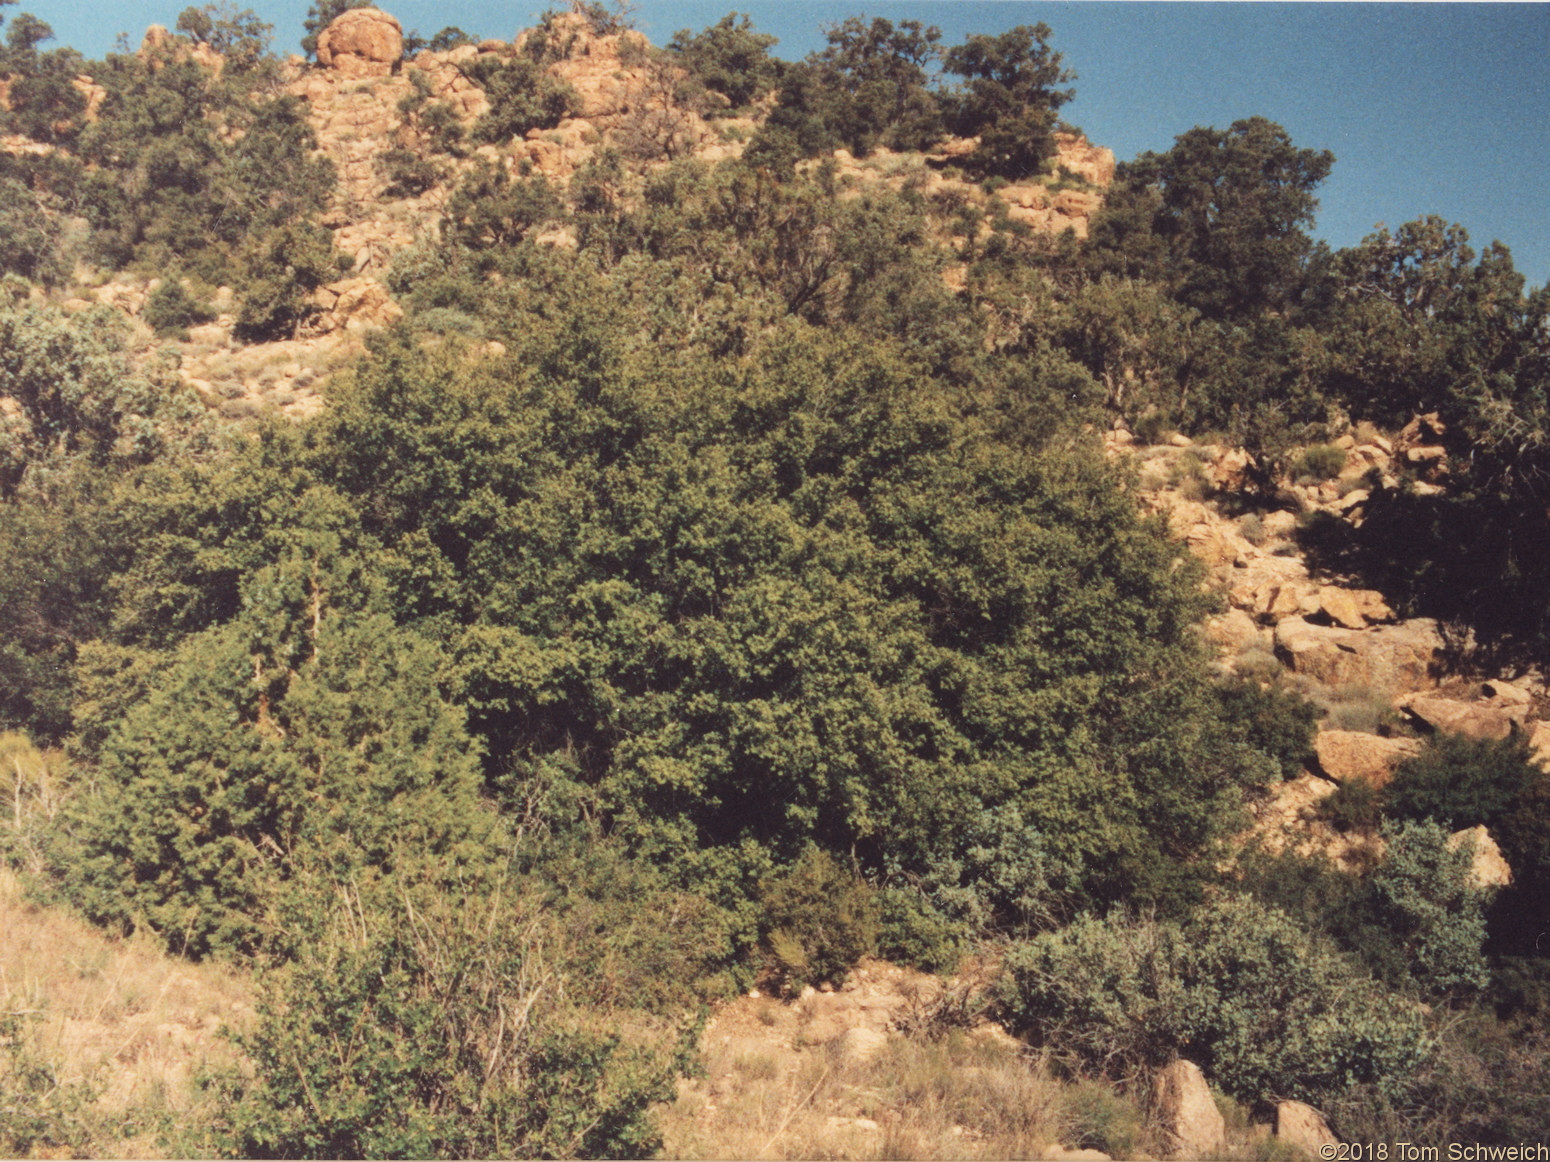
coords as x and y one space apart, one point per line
1429 108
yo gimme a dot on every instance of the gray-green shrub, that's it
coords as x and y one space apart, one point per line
1260 1004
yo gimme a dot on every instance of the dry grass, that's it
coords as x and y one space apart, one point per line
959 1097
117 1015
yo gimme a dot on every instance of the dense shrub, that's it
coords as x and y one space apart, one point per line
729 58
171 310
1431 915
1010 98
1263 1007
809 602
428 1025
820 919
306 736
522 96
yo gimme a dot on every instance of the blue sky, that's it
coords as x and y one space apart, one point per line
1429 108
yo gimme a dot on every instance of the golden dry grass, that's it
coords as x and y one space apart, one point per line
119 1015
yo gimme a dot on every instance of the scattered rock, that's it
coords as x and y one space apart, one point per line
1192 1126
1304 1127
1345 755
1489 869
363 42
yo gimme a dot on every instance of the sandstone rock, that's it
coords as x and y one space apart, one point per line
1341 607
1489 869
1192 1126
1474 719
363 42
1372 605
1231 471
1507 694
1392 657
1304 1127
1345 755
1084 159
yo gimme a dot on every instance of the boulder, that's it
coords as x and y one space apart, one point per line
1389 657
1473 719
1345 755
363 42
1192 1126
1489 869
1303 1127
1341 607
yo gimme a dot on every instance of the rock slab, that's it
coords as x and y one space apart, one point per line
1345 755
1192 1125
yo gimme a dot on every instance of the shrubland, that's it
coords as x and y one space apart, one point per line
733 594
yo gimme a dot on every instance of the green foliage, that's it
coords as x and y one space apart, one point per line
189 169
306 736
284 268
1261 1005
171 310
1320 462
821 919
1101 1119
522 96
31 242
868 88
1220 218
42 102
78 402
1356 805
729 58
490 208
237 34
1463 781
429 1025
1276 720
1010 100
811 602
1433 916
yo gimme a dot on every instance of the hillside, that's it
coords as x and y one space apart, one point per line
577 598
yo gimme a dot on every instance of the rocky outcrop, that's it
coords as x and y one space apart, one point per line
1483 719
1191 1125
363 42
1345 755
354 305
1389 657
1304 1128
1088 161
